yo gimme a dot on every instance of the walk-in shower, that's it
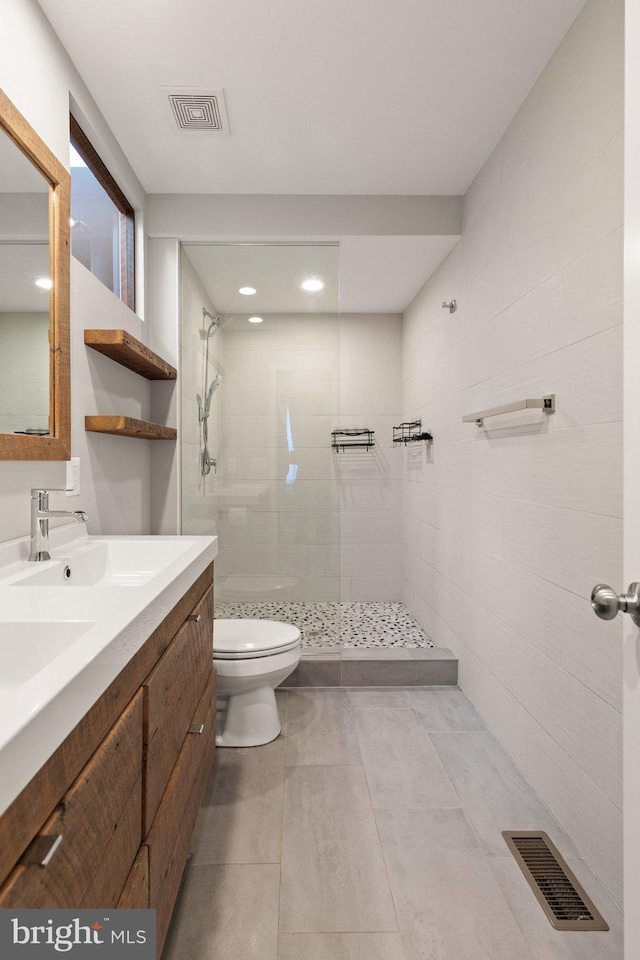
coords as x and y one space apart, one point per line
261 470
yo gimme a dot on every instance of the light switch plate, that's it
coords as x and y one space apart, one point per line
72 485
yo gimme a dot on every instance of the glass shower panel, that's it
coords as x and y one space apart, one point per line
272 493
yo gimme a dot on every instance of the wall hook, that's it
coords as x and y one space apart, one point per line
452 306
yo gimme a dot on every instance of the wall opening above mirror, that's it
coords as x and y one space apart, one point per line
102 219
34 295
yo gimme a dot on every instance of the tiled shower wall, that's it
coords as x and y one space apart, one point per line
508 527
198 503
333 529
327 524
277 499
371 482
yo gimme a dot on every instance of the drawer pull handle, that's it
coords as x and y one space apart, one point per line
195 617
41 851
196 728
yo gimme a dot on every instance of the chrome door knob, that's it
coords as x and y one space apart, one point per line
607 604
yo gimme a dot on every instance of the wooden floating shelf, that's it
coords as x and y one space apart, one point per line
129 352
121 426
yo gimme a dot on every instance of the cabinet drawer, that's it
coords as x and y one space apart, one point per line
99 821
136 889
172 691
172 829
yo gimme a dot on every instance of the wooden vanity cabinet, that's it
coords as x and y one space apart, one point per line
135 893
126 814
99 824
172 692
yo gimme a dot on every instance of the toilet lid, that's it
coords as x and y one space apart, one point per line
239 639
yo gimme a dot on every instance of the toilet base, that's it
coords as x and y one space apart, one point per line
249 719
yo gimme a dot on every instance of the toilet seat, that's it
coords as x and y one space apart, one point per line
246 639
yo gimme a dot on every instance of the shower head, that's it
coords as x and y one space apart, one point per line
215 383
216 323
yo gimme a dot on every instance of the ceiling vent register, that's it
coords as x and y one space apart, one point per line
199 110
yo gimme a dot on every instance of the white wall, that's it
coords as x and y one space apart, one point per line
24 371
507 528
371 482
37 75
163 262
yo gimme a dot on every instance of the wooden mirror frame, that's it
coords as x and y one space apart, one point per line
56 446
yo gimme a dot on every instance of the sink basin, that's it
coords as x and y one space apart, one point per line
60 648
27 647
122 563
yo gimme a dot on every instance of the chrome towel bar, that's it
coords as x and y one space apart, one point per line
547 404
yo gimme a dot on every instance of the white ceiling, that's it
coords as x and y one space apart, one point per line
338 97
362 275
344 97
383 274
275 271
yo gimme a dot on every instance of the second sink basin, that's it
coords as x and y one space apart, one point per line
26 648
118 562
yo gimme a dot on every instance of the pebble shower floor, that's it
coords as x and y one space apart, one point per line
348 624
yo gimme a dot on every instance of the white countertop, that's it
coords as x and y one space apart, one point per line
116 621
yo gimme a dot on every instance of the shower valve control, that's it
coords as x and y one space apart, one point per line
607 604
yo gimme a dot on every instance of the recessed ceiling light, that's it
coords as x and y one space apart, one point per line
45 283
312 285
256 319
247 291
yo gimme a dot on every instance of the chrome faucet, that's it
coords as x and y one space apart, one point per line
40 516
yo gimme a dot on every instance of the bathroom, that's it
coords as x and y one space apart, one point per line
474 233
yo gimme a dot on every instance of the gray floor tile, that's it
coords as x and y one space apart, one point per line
323 672
544 942
376 698
494 794
320 728
449 903
333 874
240 820
227 911
401 764
399 672
445 709
341 946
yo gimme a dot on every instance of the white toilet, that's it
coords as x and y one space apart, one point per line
252 658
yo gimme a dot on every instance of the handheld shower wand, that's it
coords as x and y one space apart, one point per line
203 413
205 410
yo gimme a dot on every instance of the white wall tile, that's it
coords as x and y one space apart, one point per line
507 528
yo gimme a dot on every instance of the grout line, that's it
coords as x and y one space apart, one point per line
285 737
380 844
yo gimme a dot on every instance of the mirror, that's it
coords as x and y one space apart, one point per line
34 295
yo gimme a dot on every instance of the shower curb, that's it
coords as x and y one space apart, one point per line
433 666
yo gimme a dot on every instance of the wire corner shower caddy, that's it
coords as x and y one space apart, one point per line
351 438
410 432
